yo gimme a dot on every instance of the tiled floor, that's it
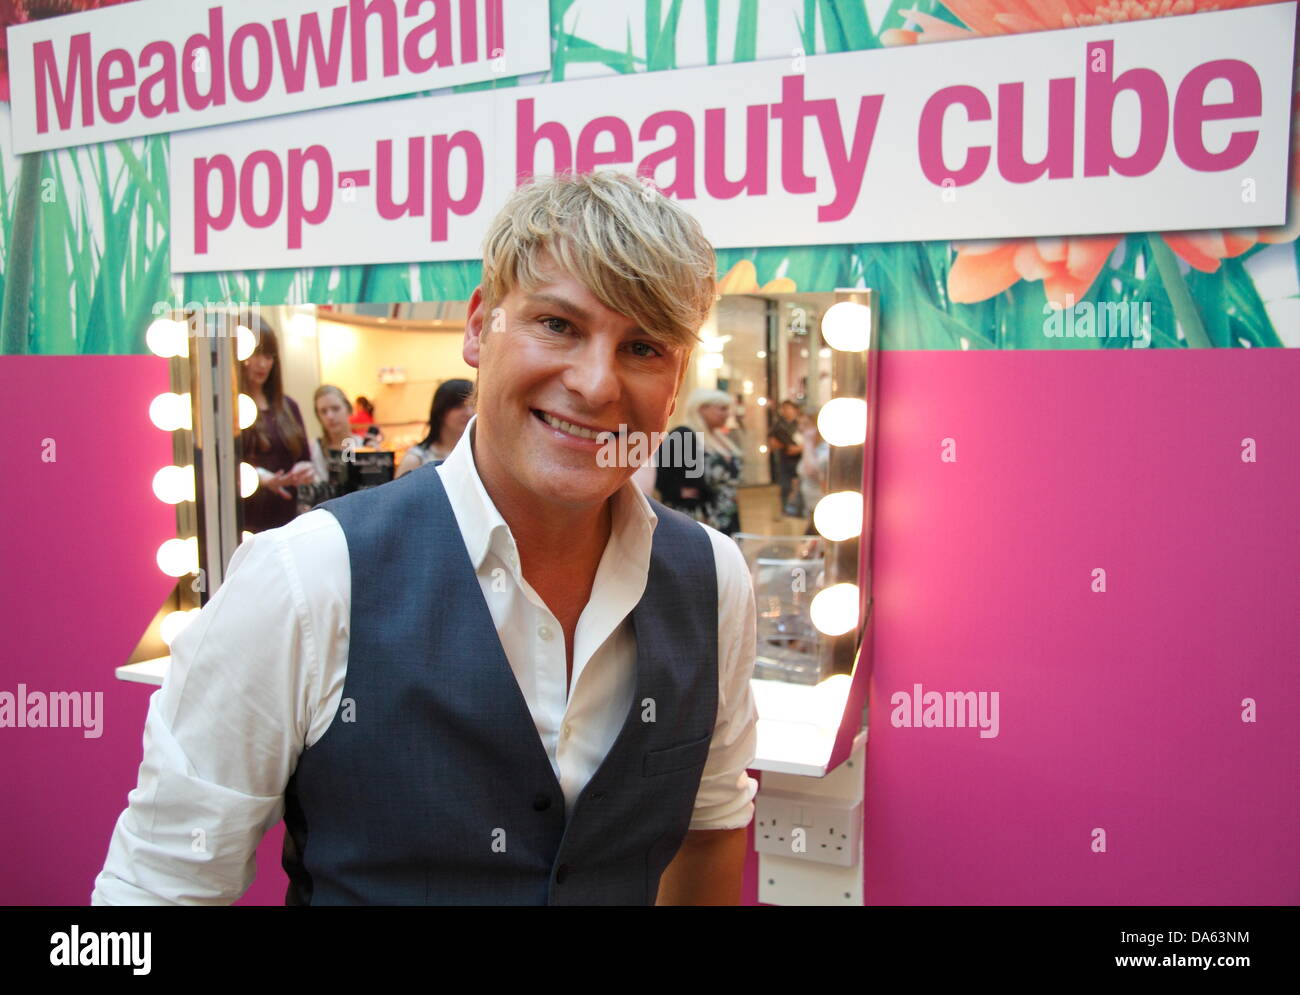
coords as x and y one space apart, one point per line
760 512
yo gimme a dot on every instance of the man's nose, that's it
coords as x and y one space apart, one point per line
593 373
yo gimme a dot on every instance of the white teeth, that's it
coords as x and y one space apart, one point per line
564 426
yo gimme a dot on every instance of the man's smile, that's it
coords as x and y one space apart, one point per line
571 429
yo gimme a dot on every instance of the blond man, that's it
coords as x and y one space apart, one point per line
508 679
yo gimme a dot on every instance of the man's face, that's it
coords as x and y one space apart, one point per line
555 351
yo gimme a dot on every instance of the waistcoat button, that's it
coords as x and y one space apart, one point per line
541 803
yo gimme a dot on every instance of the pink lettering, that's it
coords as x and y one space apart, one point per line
1099 157
293 61
441 200
211 63
46 70
204 219
319 157
1191 112
107 81
930 136
439 26
275 189
238 85
362 11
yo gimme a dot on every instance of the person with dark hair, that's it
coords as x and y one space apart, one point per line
787 451
276 443
363 422
448 415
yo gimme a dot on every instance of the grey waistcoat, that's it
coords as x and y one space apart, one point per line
431 784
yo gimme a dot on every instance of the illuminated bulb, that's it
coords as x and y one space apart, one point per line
762 402
838 516
247 411
170 411
761 354
174 622
748 387
763 449
168 338
248 480
846 326
843 421
178 557
174 484
245 342
834 610
711 360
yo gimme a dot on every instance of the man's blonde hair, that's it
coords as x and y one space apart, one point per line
638 252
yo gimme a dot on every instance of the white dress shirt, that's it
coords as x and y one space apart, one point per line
258 676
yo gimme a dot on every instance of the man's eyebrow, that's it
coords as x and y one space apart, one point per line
558 303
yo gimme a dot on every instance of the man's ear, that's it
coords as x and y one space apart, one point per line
474 324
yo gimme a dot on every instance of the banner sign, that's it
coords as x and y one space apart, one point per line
161 65
1166 124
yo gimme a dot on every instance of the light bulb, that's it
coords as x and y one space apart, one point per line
168 338
248 480
846 326
174 484
170 412
843 421
247 411
838 516
178 557
245 342
174 622
834 610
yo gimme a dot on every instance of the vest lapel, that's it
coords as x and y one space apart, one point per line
496 667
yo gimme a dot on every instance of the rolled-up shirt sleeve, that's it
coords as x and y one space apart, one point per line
222 736
725 797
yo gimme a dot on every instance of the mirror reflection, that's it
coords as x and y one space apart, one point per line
354 396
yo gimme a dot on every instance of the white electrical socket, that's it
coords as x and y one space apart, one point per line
808 827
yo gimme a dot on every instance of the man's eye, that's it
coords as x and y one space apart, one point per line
560 321
653 351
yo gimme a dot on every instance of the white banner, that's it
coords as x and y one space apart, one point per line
161 65
1165 124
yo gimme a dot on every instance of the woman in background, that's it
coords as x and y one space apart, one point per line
332 411
448 415
708 492
276 443
813 466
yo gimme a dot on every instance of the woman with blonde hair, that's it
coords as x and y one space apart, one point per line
699 465
333 410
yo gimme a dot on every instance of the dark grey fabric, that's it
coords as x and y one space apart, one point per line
439 789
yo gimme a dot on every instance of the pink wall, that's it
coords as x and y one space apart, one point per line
79 585
1118 710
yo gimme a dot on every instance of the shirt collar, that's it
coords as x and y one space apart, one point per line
484 530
